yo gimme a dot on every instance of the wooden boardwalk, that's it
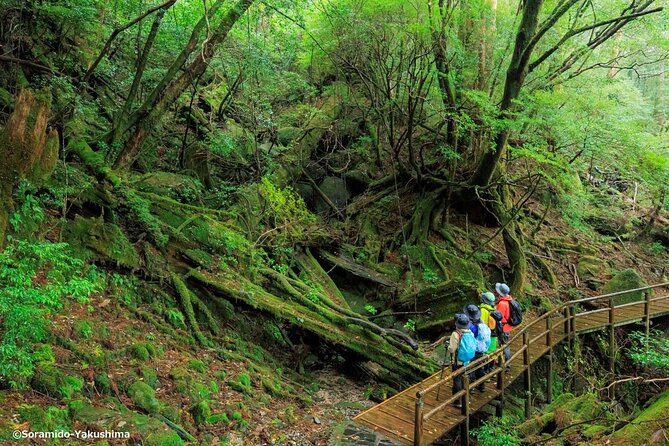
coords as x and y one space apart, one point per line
424 412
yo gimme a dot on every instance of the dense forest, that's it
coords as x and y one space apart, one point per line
241 222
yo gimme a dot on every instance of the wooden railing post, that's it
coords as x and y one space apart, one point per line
566 321
418 422
501 364
528 383
612 337
549 372
464 427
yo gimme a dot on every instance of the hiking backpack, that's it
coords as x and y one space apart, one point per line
515 313
497 317
483 338
467 347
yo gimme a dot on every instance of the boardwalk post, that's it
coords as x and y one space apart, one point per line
549 372
464 427
528 382
500 385
566 321
646 311
418 422
612 337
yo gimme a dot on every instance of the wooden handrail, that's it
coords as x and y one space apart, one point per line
497 357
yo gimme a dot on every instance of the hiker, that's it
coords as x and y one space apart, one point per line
481 333
462 347
512 316
487 306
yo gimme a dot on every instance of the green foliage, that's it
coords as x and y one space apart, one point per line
496 432
285 214
37 279
430 276
652 353
410 325
371 309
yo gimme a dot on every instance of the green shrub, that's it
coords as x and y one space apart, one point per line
496 432
652 352
36 279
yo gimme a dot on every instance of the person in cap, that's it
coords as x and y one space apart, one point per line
461 330
474 315
487 306
503 306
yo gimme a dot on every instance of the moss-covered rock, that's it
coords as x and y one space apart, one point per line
41 420
649 426
152 431
144 397
105 241
625 280
173 185
591 270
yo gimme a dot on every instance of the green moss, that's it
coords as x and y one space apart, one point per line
41 420
106 240
625 280
171 413
102 383
220 374
651 420
197 365
241 383
50 380
183 379
200 412
218 418
43 355
144 397
150 376
167 438
139 351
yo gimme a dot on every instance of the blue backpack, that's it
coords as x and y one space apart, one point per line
483 338
467 347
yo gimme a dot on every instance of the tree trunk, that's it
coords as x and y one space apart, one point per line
164 95
515 76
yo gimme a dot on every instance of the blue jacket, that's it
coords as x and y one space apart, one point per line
474 328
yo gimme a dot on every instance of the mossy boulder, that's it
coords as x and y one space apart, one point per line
105 241
590 270
650 425
152 431
335 189
43 420
144 397
172 185
625 280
